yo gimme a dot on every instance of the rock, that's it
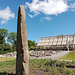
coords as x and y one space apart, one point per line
33 54
54 52
22 60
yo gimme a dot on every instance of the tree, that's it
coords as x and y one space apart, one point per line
12 38
5 47
3 34
31 43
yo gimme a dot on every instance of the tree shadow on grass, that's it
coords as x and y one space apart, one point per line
4 73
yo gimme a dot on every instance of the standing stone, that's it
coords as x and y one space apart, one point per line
22 60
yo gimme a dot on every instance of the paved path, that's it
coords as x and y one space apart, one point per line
55 56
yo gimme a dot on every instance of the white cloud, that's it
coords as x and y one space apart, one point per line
31 15
46 18
6 14
48 7
72 6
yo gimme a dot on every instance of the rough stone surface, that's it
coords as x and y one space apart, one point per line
40 54
22 59
32 54
37 54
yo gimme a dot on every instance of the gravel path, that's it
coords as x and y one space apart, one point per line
55 56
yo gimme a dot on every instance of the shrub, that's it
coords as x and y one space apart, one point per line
55 71
4 52
5 47
32 48
68 71
48 68
51 63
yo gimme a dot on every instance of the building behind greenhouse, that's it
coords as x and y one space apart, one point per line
61 42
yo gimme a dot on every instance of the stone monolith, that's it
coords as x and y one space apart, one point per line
22 59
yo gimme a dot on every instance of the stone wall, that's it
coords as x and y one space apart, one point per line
35 54
32 54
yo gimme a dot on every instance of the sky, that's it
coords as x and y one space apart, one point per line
44 18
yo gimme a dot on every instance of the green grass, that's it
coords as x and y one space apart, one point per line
6 58
35 64
47 66
69 56
7 67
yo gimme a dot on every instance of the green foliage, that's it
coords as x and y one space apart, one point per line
32 48
8 51
37 63
55 71
31 45
5 47
69 72
3 34
12 38
2 39
48 68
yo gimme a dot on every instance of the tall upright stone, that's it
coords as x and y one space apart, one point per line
22 59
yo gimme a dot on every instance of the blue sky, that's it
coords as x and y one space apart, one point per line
44 18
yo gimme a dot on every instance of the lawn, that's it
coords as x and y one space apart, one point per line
69 56
6 58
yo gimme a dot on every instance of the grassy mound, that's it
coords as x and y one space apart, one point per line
69 56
